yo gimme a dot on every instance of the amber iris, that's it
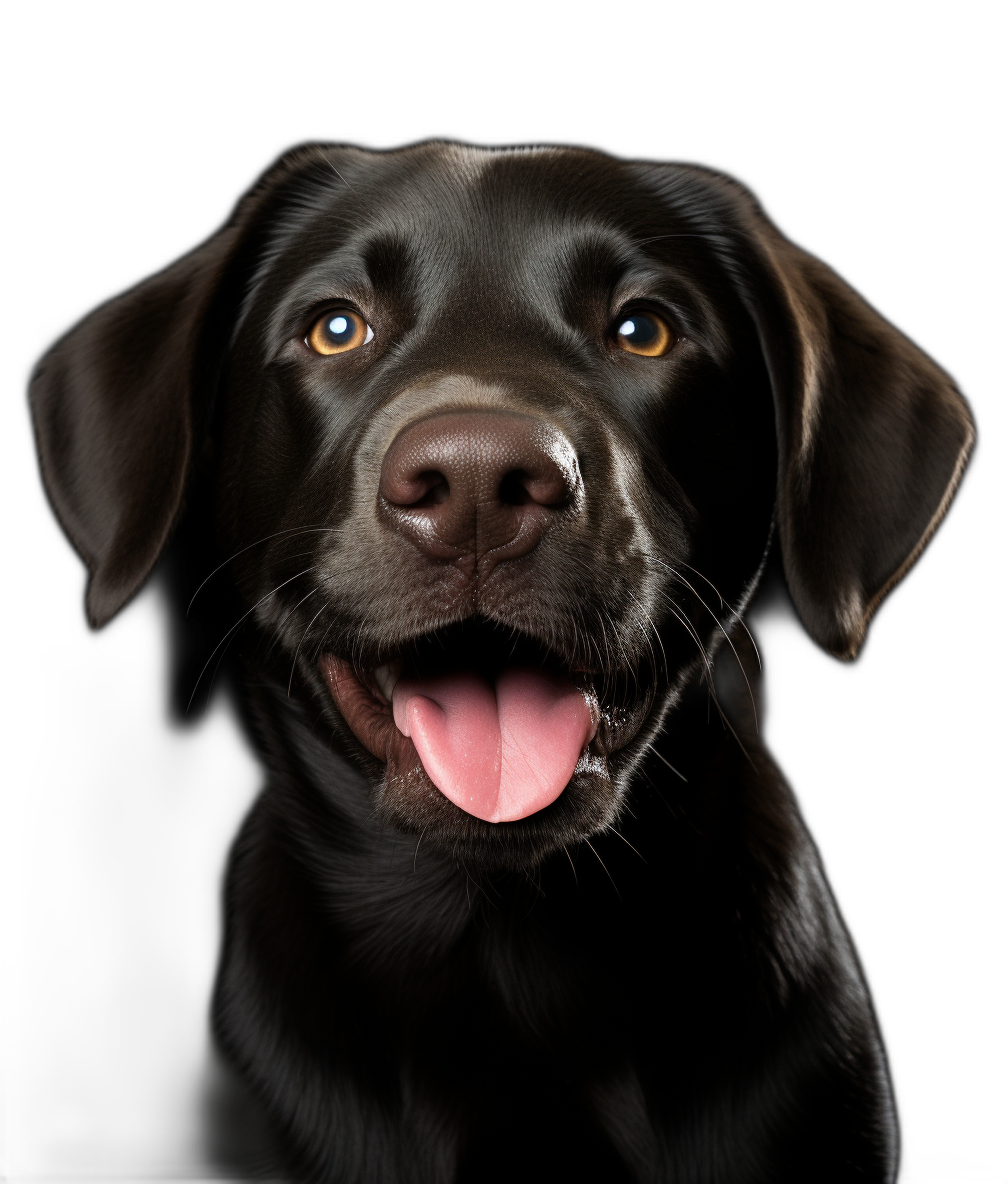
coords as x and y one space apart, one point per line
644 333
338 331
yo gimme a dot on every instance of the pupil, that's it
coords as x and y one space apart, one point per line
339 327
638 330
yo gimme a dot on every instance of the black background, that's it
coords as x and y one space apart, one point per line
123 166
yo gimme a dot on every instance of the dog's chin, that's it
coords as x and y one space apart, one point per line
495 767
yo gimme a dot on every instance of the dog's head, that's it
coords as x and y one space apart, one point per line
498 439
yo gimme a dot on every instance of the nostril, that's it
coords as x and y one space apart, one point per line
435 490
513 489
522 488
415 490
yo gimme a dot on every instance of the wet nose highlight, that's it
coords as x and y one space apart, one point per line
482 483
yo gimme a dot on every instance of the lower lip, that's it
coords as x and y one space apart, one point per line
367 714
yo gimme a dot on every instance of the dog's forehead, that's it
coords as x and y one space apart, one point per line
444 214
467 195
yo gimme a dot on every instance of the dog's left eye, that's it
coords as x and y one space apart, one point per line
643 333
338 331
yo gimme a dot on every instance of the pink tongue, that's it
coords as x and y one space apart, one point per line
500 753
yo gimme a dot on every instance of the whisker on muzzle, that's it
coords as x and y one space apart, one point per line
292 531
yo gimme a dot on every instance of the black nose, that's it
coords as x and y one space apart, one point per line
486 484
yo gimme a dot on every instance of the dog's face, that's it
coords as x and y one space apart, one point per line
497 440
490 432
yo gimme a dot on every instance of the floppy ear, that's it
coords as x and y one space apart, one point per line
120 402
872 438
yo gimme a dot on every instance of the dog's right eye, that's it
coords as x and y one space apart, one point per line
645 334
338 331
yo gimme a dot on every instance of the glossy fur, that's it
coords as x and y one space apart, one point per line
648 980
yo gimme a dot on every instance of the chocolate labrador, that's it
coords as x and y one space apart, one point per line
479 456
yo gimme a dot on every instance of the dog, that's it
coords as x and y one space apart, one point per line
474 459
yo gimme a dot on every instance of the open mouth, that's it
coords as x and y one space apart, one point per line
495 722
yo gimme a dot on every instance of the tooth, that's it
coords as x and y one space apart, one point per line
386 677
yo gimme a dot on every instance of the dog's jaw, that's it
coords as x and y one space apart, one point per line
512 830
